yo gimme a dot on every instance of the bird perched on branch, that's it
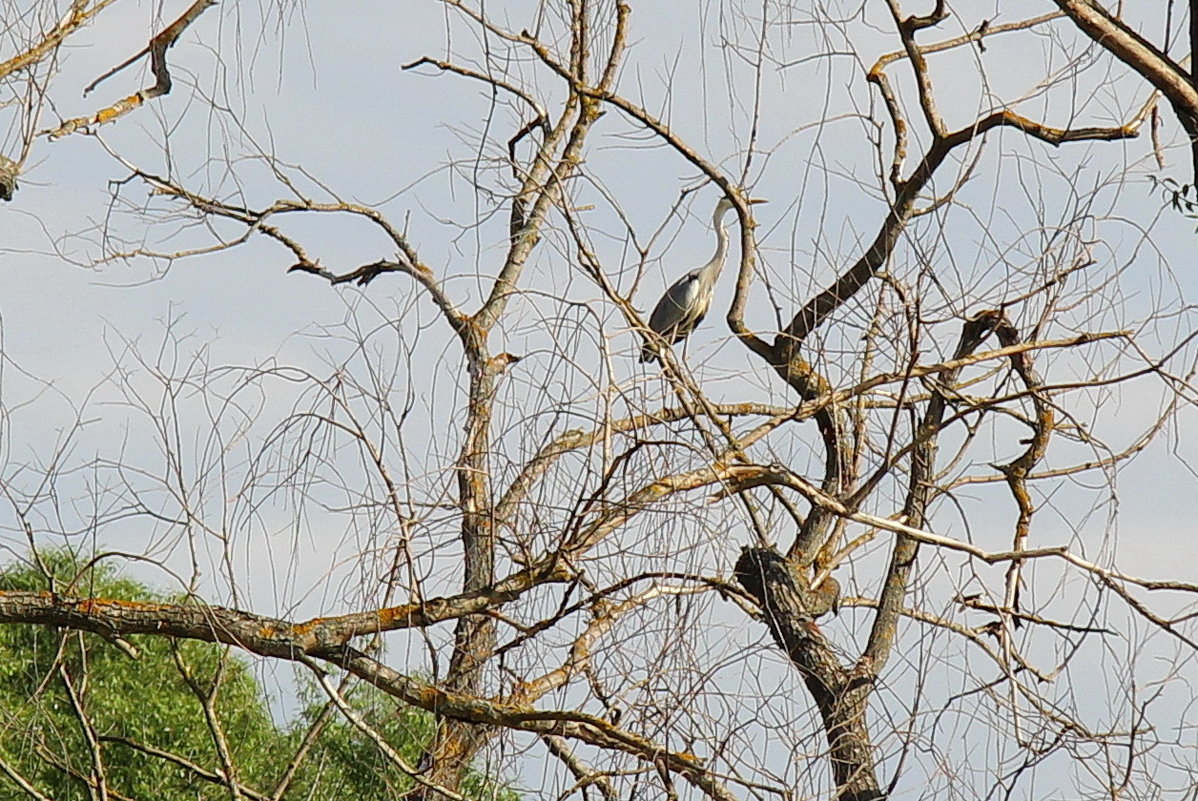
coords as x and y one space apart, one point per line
685 303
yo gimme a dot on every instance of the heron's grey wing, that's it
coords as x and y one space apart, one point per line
671 314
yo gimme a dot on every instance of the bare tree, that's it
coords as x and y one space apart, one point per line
950 338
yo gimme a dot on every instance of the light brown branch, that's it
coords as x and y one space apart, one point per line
162 84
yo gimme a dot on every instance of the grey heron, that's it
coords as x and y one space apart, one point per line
685 303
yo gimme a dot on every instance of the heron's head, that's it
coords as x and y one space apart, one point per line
725 205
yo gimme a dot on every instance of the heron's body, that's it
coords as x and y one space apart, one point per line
681 308
685 303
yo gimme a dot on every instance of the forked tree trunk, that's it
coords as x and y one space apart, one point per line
840 693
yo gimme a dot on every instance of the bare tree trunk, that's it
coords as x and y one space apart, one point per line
841 693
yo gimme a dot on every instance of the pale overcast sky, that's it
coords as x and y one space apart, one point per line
324 89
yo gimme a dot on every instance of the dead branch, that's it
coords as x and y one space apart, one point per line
162 84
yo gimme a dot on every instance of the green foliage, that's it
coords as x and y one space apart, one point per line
149 701
1183 198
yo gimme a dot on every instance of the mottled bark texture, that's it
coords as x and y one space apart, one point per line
840 693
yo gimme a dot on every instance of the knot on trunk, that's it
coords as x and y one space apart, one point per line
790 609
782 588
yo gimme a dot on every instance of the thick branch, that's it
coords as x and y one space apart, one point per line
919 495
840 694
234 626
126 618
1136 52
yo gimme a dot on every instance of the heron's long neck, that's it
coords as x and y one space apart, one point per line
716 264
